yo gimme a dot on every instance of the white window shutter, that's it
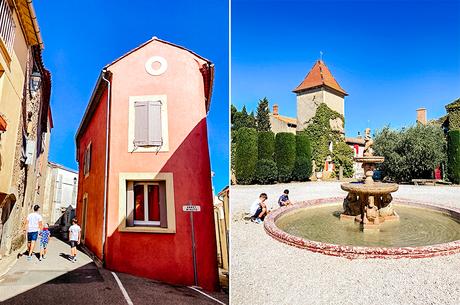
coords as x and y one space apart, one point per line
141 125
154 122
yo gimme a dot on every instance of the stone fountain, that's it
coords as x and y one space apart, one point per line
369 202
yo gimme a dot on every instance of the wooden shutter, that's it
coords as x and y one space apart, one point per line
141 119
163 208
154 122
89 158
130 203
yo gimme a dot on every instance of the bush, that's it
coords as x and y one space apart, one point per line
245 155
303 163
266 172
343 156
410 153
453 155
285 151
266 145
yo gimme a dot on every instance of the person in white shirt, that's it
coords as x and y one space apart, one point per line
74 239
33 224
259 209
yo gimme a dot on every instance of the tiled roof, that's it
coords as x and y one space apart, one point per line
359 141
286 119
319 76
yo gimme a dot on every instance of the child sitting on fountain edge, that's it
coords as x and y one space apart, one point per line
284 199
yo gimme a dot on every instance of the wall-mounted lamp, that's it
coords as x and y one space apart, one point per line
35 81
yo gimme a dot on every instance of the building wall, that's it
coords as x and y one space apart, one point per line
280 126
308 102
92 186
154 255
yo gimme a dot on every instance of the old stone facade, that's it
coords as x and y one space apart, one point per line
319 86
24 105
281 123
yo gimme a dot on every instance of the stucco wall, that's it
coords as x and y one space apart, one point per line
154 255
280 126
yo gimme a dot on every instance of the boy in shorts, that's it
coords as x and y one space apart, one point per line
74 239
44 239
259 209
32 225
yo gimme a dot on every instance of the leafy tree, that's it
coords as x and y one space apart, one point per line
285 155
245 155
303 163
266 145
453 163
410 153
263 115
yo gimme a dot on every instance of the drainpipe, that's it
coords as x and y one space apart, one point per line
104 222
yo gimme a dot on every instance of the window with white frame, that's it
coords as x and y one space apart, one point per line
146 204
7 28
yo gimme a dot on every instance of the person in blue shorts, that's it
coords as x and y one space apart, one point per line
45 236
32 225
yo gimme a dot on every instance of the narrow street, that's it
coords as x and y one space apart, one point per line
56 280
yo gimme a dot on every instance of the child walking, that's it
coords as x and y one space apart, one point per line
44 239
74 239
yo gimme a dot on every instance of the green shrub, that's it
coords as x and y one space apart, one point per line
343 156
245 155
410 153
285 151
453 155
266 145
266 172
303 163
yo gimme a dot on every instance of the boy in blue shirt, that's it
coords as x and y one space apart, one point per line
284 199
44 239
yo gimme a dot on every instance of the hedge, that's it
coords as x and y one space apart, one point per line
266 145
285 155
246 155
266 172
453 155
303 163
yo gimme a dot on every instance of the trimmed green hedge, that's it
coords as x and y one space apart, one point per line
453 155
303 163
285 155
245 155
266 172
266 145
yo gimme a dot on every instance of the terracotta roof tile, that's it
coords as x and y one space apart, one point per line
319 76
286 119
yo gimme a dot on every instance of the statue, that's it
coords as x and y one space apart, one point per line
351 205
368 142
371 212
387 207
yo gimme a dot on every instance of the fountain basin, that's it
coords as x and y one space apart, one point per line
405 239
376 188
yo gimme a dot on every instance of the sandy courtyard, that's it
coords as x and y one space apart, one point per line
265 271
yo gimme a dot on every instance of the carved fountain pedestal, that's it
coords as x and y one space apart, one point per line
369 202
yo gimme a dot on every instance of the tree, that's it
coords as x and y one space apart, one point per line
410 153
266 145
342 155
263 115
285 152
303 163
453 163
251 120
245 155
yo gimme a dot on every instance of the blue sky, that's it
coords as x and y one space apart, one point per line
392 57
81 37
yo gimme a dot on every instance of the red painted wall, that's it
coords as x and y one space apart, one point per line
93 185
159 256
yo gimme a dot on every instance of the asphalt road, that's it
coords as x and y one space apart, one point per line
56 280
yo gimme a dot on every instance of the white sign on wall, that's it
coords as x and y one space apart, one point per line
191 208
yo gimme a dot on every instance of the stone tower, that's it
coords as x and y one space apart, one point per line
319 86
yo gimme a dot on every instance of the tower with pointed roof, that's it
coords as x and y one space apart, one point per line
319 86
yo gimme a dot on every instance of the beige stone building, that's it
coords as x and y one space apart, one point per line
25 124
319 86
281 123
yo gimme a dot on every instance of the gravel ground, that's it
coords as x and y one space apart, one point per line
265 271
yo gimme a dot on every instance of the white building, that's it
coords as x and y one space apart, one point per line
60 194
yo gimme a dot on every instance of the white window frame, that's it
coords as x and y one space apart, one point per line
164 123
146 222
165 177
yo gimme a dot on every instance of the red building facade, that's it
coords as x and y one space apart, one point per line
143 154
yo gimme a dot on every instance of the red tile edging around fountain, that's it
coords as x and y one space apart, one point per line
354 252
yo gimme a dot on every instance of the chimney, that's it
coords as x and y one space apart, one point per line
275 109
421 116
